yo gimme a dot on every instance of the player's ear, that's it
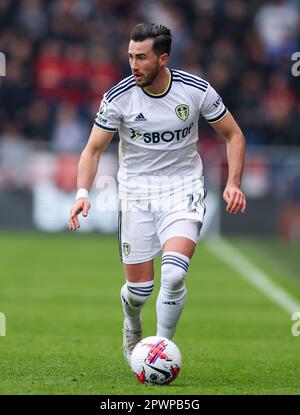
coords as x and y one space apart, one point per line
163 59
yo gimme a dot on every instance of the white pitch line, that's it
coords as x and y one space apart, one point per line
227 253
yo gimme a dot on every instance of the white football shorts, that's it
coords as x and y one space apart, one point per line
145 226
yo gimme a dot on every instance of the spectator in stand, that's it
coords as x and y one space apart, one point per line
49 72
14 158
70 132
278 25
76 73
279 102
15 92
103 73
250 111
37 122
31 19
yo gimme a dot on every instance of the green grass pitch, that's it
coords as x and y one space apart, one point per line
60 295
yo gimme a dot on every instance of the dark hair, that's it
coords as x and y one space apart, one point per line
161 35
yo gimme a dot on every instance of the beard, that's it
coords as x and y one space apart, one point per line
148 80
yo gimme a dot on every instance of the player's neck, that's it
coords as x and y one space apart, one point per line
160 84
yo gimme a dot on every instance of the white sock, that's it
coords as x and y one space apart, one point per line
172 294
134 295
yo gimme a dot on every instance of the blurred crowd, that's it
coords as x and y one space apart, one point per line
62 55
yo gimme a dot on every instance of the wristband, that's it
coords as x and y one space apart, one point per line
82 193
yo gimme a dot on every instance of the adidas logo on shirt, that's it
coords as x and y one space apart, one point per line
140 117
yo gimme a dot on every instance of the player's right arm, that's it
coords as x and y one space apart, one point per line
87 169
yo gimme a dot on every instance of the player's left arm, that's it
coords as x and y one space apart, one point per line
235 146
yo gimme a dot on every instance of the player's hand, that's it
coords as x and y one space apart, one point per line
235 198
81 205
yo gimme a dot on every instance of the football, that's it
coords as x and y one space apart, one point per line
156 361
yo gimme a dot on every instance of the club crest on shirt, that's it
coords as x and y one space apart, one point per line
182 111
126 248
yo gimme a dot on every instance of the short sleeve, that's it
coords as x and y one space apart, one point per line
108 117
212 108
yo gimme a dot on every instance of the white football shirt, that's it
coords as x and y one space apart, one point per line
158 133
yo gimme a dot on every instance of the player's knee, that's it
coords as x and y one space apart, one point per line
172 277
136 294
174 267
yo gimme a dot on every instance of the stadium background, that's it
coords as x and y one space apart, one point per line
61 56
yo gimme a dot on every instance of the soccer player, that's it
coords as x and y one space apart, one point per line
161 185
